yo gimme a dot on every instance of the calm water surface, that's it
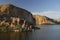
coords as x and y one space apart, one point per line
46 32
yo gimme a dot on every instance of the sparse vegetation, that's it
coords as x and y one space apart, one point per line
13 18
8 28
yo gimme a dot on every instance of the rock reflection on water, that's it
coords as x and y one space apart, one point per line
14 35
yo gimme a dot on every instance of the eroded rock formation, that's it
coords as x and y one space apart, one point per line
13 16
44 20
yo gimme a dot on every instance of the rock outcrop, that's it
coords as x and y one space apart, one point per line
9 10
44 20
13 16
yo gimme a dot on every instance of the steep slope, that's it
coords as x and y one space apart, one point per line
15 18
44 20
9 10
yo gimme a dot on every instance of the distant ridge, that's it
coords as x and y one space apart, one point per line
44 20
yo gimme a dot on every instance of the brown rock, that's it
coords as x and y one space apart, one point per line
9 10
43 20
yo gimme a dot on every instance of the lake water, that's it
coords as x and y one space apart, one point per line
46 32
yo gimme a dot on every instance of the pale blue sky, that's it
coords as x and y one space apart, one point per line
50 8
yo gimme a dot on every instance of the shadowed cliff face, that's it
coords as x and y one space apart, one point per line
8 10
13 18
44 20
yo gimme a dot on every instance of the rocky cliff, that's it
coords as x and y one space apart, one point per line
44 20
12 16
9 10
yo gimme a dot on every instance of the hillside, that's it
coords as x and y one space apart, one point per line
12 16
44 20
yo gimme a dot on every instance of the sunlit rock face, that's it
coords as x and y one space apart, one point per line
43 20
8 10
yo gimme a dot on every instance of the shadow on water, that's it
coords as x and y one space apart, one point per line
14 35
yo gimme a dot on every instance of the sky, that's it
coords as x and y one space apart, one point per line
49 8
